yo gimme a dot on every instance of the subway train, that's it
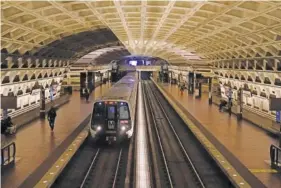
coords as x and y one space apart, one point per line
113 115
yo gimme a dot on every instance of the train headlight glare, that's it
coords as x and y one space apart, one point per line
99 128
123 128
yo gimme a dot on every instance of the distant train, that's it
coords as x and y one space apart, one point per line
113 115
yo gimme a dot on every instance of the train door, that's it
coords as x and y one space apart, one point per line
111 122
111 117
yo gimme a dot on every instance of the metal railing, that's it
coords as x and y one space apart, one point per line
8 154
275 156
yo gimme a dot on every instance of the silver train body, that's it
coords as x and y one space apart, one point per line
113 115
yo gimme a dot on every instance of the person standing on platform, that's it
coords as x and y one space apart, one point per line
223 103
182 88
87 94
11 128
51 117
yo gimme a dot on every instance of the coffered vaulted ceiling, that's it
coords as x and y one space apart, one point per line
178 31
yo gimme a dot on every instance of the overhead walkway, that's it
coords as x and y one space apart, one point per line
38 147
244 145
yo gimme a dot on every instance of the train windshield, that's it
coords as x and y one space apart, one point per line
99 109
111 112
102 111
123 111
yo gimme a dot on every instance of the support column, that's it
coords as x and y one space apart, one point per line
83 78
210 91
139 75
42 103
198 89
239 104
5 113
191 83
90 81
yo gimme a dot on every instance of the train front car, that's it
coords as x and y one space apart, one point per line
113 115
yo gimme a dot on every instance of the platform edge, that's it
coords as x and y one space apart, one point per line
49 178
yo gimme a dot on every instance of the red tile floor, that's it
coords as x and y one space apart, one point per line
35 141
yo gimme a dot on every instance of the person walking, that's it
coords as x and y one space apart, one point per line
51 117
87 94
182 88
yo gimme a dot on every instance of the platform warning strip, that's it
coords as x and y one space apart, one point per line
52 174
264 171
226 167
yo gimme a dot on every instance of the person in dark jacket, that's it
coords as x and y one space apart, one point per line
7 126
11 128
182 88
222 104
4 126
51 117
87 94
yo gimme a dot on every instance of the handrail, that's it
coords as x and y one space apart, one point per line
275 156
8 154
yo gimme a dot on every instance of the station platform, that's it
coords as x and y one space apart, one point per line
36 143
242 143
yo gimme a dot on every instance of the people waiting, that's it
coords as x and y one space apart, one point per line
7 126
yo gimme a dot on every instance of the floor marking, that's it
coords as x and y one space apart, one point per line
264 171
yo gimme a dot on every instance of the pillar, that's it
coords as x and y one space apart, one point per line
109 75
198 89
94 79
191 83
42 103
5 113
90 81
210 91
139 75
83 78
239 103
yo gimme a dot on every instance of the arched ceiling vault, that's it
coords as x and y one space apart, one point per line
102 56
178 31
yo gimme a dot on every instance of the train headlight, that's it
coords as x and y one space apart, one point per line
123 128
99 128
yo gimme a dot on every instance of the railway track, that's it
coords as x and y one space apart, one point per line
104 168
179 167
176 157
93 166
